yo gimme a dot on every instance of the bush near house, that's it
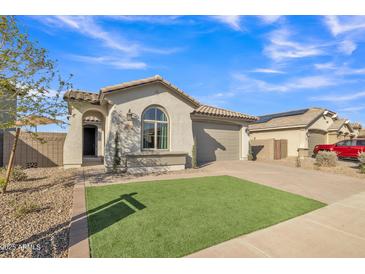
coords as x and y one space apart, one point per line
17 174
362 162
2 182
326 159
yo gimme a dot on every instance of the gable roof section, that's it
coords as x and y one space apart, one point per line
223 113
209 111
337 125
82 96
356 125
297 118
149 80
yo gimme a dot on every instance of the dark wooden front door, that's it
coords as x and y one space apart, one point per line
89 141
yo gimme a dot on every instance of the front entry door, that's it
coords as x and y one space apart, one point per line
89 141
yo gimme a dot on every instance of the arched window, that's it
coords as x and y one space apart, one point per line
155 128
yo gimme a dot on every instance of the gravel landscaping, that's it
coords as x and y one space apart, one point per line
343 167
36 213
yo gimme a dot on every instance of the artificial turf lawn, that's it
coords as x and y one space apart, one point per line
173 218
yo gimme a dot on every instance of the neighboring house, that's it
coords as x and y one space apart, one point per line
361 133
340 130
357 127
154 126
302 128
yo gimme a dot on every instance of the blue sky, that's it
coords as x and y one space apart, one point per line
252 64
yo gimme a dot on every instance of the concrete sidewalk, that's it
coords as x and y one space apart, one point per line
335 231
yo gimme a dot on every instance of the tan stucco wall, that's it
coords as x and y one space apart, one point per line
322 123
137 99
335 136
296 138
263 149
72 152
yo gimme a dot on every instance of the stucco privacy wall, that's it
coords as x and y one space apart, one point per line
137 99
72 153
263 149
296 138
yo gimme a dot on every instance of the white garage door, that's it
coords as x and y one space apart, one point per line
216 142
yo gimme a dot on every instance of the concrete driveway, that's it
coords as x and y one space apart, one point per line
337 230
322 186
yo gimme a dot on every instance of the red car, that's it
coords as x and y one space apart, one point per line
344 149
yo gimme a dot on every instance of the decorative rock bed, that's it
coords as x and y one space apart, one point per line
35 214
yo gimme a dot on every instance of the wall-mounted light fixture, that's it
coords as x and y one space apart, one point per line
129 115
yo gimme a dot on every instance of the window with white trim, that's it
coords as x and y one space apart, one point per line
155 128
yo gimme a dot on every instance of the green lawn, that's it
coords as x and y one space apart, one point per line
173 218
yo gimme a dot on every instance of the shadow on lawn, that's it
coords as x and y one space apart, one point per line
112 212
50 243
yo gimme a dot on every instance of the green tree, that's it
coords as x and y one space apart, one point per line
30 83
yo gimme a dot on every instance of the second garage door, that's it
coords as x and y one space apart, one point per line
315 138
216 142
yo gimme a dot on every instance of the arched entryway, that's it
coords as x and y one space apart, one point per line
90 133
93 123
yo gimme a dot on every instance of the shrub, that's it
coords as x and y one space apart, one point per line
2 170
26 208
2 182
298 162
116 160
18 174
361 157
326 158
362 162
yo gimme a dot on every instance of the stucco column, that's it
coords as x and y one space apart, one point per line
245 139
72 149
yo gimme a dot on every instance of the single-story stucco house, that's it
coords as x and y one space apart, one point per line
151 125
303 129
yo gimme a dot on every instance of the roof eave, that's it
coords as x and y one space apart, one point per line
277 128
220 117
176 90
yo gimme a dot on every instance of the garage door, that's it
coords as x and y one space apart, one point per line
315 138
216 142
